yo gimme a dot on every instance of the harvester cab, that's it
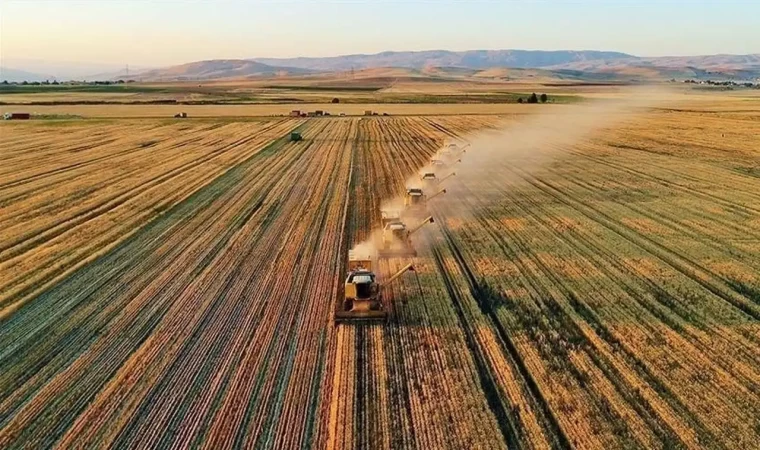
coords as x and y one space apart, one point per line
414 198
443 162
397 240
452 152
429 179
362 299
455 147
389 216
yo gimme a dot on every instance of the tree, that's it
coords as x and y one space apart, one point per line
533 98
336 100
24 82
544 98
5 81
519 100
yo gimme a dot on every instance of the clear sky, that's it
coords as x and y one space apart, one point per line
164 32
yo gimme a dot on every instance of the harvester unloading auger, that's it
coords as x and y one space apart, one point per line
363 294
396 241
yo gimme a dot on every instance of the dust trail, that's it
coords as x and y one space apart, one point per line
493 157
368 249
503 156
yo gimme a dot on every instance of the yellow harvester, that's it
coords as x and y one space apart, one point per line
440 164
363 294
397 239
415 199
389 216
431 180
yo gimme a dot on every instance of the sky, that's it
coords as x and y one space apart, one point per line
153 33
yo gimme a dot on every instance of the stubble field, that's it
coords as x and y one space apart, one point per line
171 284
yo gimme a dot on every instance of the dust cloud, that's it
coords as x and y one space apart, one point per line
504 156
498 158
367 249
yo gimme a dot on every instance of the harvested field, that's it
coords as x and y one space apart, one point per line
172 283
194 111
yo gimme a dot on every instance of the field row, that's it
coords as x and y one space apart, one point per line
178 282
593 296
70 194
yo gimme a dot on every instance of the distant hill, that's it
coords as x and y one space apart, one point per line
473 59
8 74
215 69
621 69
504 65
743 67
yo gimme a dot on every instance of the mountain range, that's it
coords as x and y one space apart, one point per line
218 68
594 65
472 59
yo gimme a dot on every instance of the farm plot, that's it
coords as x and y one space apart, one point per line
622 282
609 298
68 194
603 294
161 339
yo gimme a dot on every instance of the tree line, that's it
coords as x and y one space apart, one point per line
533 98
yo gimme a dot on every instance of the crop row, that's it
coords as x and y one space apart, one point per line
172 285
68 201
628 334
204 327
603 298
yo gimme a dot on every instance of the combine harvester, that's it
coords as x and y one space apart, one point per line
415 200
396 241
429 179
389 216
363 294
437 163
452 153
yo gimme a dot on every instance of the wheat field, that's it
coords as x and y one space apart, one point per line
171 284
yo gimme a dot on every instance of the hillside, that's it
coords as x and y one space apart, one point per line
744 67
215 69
474 59
8 74
481 64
